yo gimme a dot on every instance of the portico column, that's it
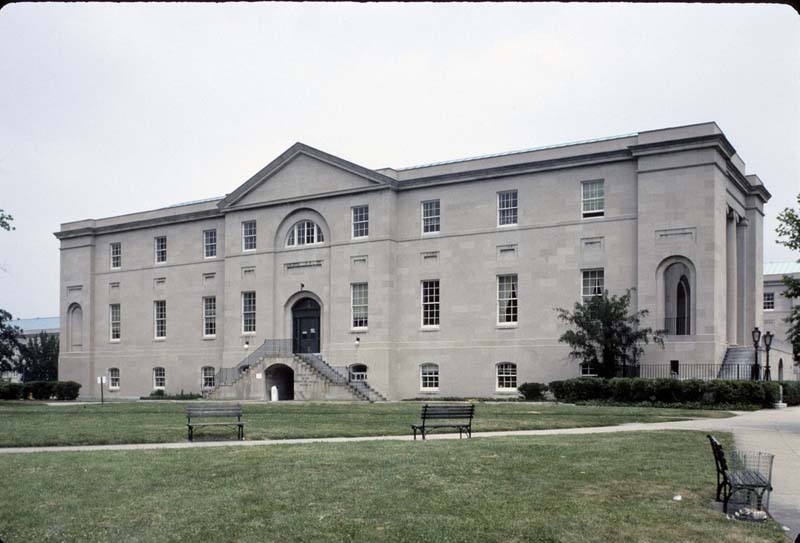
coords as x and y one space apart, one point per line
732 265
741 279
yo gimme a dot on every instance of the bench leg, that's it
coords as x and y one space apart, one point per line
423 434
459 433
190 433
415 432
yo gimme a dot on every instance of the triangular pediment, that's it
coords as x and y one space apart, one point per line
300 172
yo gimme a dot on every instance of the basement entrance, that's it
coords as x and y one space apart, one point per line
305 326
280 376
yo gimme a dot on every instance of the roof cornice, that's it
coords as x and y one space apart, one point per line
138 225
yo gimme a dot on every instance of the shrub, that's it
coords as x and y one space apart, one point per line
66 390
10 391
38 390
533 391
161 395
791 392
583 388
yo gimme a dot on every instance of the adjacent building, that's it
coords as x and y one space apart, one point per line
777 309
433 280
30 329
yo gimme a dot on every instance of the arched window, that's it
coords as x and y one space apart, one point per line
159 378
780 370
74 328
207 377
304 233
429 377
678 277
113 379
358 372
506 376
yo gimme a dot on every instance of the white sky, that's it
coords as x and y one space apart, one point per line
114 108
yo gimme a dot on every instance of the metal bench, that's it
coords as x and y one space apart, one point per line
459 416
214 412
733 480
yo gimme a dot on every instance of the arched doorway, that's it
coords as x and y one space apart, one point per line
683 324
305 326
280 376
358 372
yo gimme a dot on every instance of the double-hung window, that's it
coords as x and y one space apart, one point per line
360 221
429 377
209 316
506 376
430 303
249 236
159 378
116 255
507 208
209 243
360 305
115 321
160 318
507 306
593 198
161 249
769 301
113 378
431 217
249 312
207 377
593 284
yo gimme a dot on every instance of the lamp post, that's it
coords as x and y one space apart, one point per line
755 371
767 344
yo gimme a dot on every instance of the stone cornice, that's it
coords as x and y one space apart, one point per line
137 225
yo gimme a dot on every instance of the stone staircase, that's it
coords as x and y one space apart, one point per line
737 363
312 374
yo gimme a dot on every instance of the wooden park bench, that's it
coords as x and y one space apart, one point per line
731 481
205 412
457 416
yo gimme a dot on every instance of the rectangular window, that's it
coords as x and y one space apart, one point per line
113 379
430 217
360 221
248 312
360 304
593 284
506 376
115 322
159 378
116 255
507 299
161 249
209 243
429 377
430 303
249 236
160 313
209 316
593 198
208 378
507 208
769 301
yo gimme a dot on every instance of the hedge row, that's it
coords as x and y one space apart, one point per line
40 390
667 391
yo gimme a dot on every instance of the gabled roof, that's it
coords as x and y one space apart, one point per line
292 152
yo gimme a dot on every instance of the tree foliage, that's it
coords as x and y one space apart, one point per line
9 342
5 221
789 228
39 358
605 334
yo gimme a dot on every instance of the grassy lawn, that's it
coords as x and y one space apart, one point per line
592 488
29 424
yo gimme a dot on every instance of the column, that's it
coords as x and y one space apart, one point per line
741 326
731 304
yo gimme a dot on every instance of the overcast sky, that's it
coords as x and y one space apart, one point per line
112 108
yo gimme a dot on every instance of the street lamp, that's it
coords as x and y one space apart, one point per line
755 373
767 344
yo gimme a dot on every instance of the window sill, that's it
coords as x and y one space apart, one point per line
359 330
600 215
248 334
160 263
115 341
210 257
506 326
115 269
508 225
430 234
429 329
506 391
428 390
209 338
360 238
159 339
113 389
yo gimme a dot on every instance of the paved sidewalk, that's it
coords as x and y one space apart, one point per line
772 431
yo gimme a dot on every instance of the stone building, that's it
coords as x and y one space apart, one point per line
439 279
776 310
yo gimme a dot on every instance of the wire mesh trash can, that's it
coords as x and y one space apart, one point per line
750 476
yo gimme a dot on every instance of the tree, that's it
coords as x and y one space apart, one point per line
39 358
789 227
605 335
5 221
9 342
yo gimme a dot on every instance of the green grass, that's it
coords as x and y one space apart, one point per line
28 424
591 488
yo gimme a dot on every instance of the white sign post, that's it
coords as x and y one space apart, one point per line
101 380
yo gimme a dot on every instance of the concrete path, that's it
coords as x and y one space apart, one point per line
772 431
